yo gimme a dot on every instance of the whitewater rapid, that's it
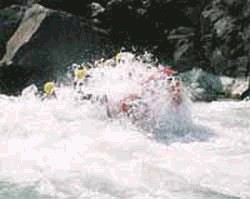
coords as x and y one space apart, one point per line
61 148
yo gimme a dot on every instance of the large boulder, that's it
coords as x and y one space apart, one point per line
234 87
202 86
45 42
10 18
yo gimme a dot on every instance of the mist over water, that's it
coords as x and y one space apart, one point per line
64 148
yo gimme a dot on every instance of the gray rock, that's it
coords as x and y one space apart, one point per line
202 86
229 41
9 20
45 42
234 87
212 35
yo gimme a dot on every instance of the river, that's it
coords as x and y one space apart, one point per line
66 150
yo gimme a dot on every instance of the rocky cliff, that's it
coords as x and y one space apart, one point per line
38 38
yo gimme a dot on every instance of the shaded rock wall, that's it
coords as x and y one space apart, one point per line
211 35
10 18
226 38
45 42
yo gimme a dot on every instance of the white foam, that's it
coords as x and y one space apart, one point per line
70 150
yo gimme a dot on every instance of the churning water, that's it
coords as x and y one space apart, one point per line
61 148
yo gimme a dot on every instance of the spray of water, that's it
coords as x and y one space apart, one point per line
65 148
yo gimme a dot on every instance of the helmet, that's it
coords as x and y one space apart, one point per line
49 88
74 65
80 73
118 57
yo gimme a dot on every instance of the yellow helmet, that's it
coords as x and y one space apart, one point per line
80 73
49 88
118 58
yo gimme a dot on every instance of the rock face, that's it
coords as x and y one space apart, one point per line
211 35
45 42
10 18
234 87
202 86
226 36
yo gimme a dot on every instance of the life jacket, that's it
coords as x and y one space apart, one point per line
174 88
125 102
167 71
173 85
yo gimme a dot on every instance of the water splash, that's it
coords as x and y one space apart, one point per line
61 148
